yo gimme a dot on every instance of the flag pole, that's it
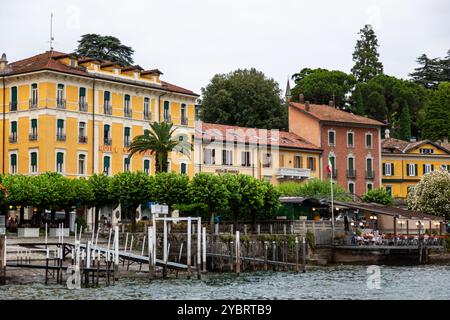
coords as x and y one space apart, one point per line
332 203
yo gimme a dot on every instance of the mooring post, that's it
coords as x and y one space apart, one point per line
142 252
88 255
292 228
266 252
274 249
116 253
216 229
199 247
151 261
258 229
304 255
165 257
271 229
231 228
296 254
125 249
231 255
238 253
204 249
245 229
188 248
131 248
284 229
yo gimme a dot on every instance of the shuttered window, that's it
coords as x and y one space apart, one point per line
147 166
59 162
106 164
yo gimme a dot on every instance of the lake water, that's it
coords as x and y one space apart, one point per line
339 282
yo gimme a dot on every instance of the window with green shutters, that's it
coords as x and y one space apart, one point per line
34 96
13 163
13 136
147 166
127 105
60 162
34 130
184 120
126 164
183 168
126 138
60 95
60 130
106 164
82 99
107 108
13 103
33 162
166 111
107 134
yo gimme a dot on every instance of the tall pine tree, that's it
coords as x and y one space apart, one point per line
404 131
429 72
366 56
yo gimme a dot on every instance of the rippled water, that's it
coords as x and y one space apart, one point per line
340 282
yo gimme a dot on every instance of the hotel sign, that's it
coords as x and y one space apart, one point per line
227 171
105 148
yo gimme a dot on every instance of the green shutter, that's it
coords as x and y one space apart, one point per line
107 96
384 168
33 158
13 160
33 123
127 97
60 157
14 94
183 168
14 126
106 162
146 165
82 92
127 131
60 124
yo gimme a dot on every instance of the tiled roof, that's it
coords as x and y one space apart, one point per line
327 113
401 146
220 132
49 61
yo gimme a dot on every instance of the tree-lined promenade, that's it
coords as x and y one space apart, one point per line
236 197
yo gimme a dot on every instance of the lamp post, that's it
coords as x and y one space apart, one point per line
401 223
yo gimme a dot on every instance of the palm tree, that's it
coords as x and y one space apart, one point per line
160 140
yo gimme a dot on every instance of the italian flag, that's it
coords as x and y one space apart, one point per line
330 164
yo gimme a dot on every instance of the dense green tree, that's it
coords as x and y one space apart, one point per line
244 98
170 189
130 189
320 86
209 189
379 195
429 72
21 192
366 56
436 124
376 106
358 106
79 193
100 185
160 140
313 188
404 131
105 48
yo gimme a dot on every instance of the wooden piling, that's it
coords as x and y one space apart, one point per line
274 250
266 252
304 255
188 248
204 249
238 253
199 247
296 255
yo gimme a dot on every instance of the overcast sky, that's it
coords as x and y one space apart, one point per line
190 41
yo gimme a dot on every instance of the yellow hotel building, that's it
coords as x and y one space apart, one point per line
270 155
404 163
77 116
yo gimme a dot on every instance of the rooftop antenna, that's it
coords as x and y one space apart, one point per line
51 32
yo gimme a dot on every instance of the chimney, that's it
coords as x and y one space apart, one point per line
331 103
3 63
301 98
387 134
307 107
445 139
413 139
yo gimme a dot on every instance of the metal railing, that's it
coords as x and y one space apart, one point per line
61 103
147 116
107 141
33 136
128 113
60 137
82 139
33 104
83 106
351 173
334 172
13 106
13 138
370 174
184 121
107 108
127 143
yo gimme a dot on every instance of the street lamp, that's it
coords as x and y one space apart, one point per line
373 219
401 223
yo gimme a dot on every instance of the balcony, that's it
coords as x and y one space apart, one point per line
13 106
61 104
107 108
128 113
292 173
60 137
33 104
33 136
370 174
13 138
334 172
82 139
351 173
83 106
184 121
147 116
107 141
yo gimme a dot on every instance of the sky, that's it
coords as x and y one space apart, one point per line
192 40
